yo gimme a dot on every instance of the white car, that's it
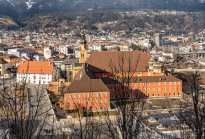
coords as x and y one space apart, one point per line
69 116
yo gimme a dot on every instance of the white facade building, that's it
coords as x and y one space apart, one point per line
47 52
36 72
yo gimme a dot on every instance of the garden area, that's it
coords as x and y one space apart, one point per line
166 103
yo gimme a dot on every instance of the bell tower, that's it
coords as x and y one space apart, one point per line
82 51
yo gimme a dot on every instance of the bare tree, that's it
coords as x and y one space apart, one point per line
69 76
58 74
54 75
128 100
193 110
27 111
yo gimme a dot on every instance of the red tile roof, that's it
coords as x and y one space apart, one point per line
36 67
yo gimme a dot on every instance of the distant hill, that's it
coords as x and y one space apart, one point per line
16 8
8 23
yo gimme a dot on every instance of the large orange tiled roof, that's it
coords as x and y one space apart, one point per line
36 67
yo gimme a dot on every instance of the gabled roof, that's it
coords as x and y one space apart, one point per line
36 67
2 61
85 81
85 84
8 72
104 61
9 57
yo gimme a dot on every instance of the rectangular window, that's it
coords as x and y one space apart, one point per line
112 84
105 101
164 94
83 95
164 83
174 83
169 94
96 101
158 83
87 95
165 89
73 96
68 96
178 82
158 89
87 102
170 83
139 83
96 107
169 88
100 101
68 102
101 107
153 89
91 101
174 88
100 94
78 96
133 84
139 89
148 83
83 102
144 83
105 94
144 89
96 95
153 83
91 95
148 89
178 88
158 94
133 90
78 102
73 102
105 107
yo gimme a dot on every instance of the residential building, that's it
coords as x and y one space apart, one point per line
86 92
8 74
47 52
3 66
67 64
36 72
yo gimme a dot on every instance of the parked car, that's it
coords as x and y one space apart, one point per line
69 116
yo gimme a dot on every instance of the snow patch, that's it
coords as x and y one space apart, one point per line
30 4
90 9
11 3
